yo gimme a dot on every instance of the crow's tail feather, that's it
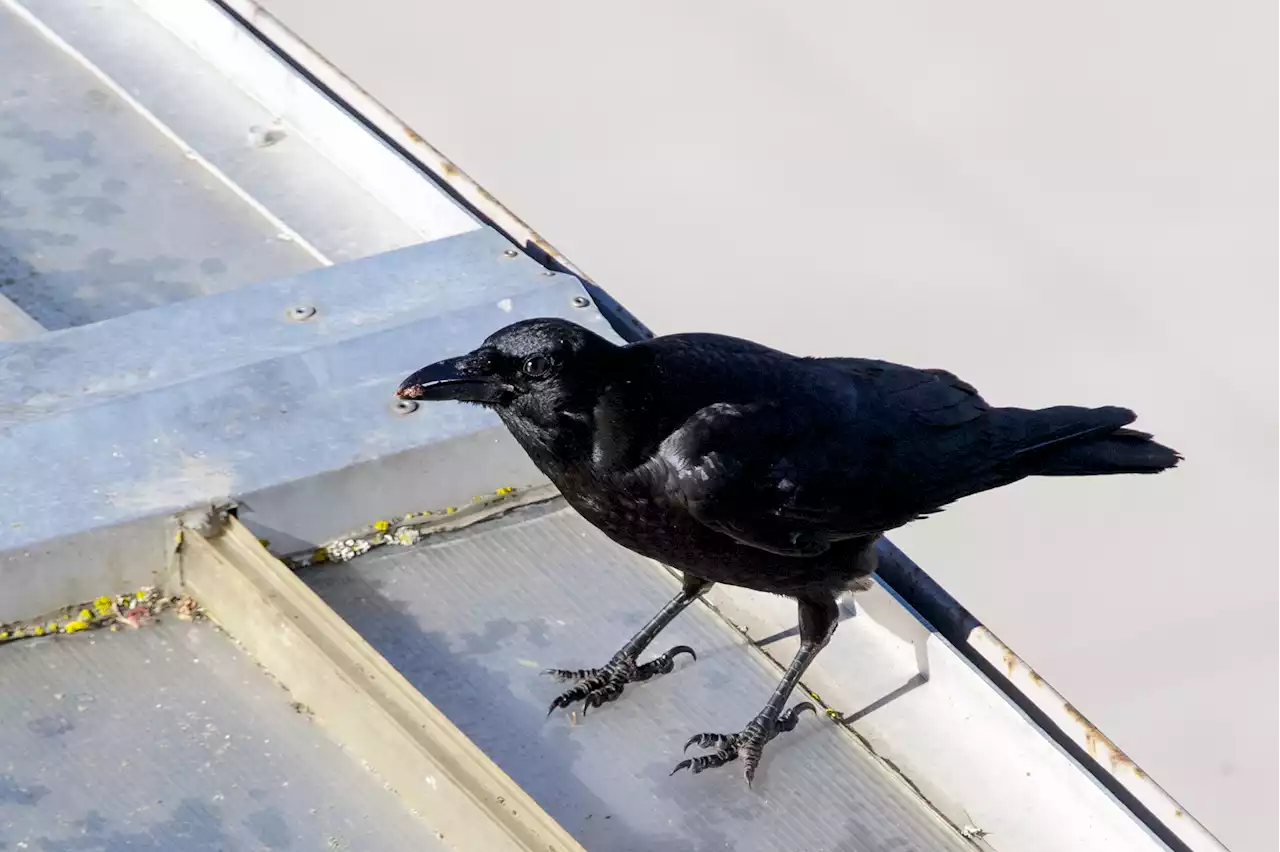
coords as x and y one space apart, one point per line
1120 451
1071 441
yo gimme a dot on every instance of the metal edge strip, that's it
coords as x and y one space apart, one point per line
363 107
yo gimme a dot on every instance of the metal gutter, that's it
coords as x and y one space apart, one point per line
1052 711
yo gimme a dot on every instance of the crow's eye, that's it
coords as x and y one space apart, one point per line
537 366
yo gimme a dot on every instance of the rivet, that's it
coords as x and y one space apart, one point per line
580 302
404 406
301 313
511 253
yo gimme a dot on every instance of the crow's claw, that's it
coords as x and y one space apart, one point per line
748 743
708 740
595 687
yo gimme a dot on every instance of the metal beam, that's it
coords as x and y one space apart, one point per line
276 396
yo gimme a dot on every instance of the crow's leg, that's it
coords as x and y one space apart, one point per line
818 617
597 686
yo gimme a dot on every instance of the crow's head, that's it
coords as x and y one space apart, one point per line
533 368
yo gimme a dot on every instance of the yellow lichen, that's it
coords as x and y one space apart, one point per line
450 510
320 555
75 626
85 615
506 489
382 526
4 634
39 631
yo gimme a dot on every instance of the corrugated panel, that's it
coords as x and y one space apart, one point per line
168 738
99 214
471 618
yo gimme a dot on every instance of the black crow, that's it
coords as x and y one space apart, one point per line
736 463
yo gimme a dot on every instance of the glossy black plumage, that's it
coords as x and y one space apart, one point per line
740 464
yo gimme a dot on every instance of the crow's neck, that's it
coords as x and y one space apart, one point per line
599 436
556 441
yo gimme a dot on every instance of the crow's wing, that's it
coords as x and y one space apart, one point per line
729 466
792 476
927 397
917 435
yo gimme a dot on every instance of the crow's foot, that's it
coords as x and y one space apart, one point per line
748 743
598 686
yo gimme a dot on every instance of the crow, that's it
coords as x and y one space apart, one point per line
740 464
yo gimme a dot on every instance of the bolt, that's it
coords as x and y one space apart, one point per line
580 302
404 406
511 253
301 313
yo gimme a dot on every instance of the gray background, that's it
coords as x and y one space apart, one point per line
1064 204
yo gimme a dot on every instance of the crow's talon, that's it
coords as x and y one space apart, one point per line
748 743
707 761
707 740
596 687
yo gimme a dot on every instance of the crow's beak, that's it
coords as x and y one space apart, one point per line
451 379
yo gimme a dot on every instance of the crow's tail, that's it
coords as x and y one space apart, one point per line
1122 451
1099 445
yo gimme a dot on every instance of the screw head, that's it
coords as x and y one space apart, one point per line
301 313
511 253
404 406
580 302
